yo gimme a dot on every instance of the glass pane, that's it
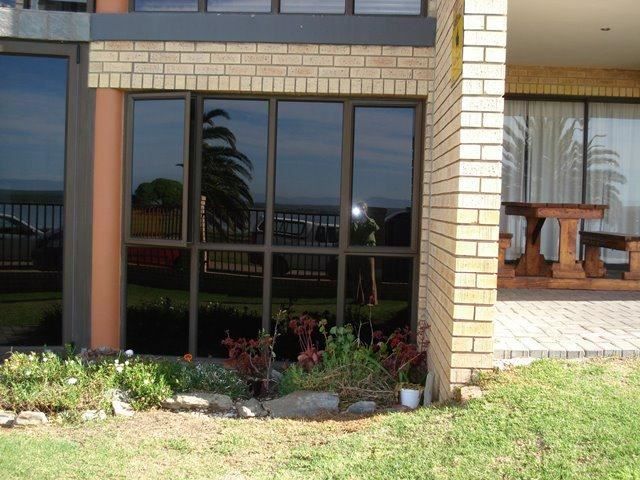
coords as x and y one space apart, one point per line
257 6
166 5
157 169
513 177
309 149
230 299
59 5
312 6
157 320
555 161
382 7
304 285
382 176
378 294
33 98
234 170
614 169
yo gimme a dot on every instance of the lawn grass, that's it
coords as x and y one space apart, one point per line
552 420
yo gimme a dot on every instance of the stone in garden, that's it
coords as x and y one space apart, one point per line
7 419
90 415
465 394
30 419
250 408
362 407
302 404
211 402
122 409
276 376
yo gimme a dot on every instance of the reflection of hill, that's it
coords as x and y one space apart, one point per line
31 196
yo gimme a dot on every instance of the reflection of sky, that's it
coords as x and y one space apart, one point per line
158 140
309 149
249 123
261 6
383 156
32 122
168 5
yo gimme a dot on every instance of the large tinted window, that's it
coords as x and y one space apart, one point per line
258 6
312 6
60 5
166 5
309 150
157 169
33 106
157 300
382 176
388 7
234 168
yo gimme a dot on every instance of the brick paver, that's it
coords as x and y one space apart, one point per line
566 324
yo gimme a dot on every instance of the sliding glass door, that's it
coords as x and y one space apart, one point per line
545 160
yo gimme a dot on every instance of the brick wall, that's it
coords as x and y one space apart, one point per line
597 82
263 68
458 265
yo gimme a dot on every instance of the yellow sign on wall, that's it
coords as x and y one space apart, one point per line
457 35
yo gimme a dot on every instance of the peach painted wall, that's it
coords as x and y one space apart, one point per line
112 6
107 208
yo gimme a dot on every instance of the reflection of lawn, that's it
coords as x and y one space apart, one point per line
381 313
26 308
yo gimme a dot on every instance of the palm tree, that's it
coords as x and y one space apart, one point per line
226 173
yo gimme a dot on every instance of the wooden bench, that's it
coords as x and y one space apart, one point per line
593 241
504 270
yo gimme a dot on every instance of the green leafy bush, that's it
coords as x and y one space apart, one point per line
54 384
349 368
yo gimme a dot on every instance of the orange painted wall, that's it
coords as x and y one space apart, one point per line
107 209
112 6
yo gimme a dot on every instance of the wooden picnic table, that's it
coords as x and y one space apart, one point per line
533 263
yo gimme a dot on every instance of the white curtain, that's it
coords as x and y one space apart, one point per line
613 159
544 166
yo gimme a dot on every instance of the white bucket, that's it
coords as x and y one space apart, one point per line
409 397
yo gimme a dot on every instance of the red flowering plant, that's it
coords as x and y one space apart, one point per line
253 358
401 357
304 327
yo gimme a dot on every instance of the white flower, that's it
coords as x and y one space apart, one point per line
116 361
72 381
128 353
119 368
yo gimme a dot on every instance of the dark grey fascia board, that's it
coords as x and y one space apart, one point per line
268 28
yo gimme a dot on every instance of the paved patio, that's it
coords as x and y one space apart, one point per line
566 323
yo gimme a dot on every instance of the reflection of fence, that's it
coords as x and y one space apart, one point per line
26 228
222 226
156 222
301 229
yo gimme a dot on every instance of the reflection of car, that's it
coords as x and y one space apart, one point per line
47 254
300 233
17 239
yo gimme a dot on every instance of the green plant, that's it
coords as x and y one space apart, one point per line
185 376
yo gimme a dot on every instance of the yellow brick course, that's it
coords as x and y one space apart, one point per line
573 81
270 68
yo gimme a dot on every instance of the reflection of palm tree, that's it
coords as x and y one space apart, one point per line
604 165
226 173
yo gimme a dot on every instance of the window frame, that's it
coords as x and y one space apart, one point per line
71 292
128 166
268 248
349 10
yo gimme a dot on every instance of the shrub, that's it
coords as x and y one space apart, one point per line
52 384
349 368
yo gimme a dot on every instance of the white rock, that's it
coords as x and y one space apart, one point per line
122 409
30 419
7 419
250 408
90 415
205 401
362 407
302 404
